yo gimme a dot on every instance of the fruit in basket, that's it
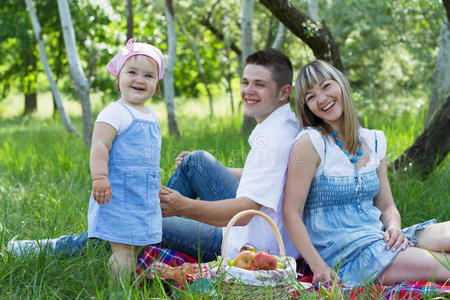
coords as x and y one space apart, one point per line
247 247
245 260
280 263
265 261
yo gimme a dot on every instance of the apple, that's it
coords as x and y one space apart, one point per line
265 261
245 260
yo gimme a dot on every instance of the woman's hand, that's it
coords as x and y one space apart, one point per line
101 190
324 273
395 238
171 202
179 159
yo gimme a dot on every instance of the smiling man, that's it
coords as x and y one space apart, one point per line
265 88
223 192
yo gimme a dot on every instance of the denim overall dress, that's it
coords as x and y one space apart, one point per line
133 216
343 223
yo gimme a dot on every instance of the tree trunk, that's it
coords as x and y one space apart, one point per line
30 81
169 89
447 8
55 106
247 49
201 71
229 88
431 147
278 42
247 28
130 25
45 64
58 67
316 36
441 81
80 81
313 9
226 80
30 103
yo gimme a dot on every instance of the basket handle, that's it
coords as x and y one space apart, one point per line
253 212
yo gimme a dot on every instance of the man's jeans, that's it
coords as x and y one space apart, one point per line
199 175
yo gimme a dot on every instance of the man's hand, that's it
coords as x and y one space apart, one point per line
172 202
101 190
179 159
395 238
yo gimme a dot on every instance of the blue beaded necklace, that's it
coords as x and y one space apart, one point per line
339 143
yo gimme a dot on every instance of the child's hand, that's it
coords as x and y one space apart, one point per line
101 190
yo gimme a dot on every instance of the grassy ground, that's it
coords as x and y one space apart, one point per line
45 186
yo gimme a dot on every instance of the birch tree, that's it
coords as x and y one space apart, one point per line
169 89
44 60
80 81
441 82
201 70
247 49
130 23
313 9
278 42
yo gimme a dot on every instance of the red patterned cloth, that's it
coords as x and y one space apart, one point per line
155 260
409 290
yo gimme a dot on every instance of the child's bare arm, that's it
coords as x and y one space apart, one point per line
102 138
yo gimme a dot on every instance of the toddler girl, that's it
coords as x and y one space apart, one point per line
125 157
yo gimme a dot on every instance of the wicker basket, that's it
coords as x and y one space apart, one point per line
279 277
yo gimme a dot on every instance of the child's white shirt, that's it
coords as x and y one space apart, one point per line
118 117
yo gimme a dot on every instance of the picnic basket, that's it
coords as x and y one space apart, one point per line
278 277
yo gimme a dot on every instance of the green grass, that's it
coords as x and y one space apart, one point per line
45 186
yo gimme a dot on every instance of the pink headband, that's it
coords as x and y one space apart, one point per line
131 49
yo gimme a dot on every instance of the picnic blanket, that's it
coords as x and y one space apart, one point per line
154 259
409 290
157 260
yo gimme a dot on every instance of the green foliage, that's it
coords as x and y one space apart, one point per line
387 47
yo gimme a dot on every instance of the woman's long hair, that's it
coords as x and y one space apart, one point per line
315 73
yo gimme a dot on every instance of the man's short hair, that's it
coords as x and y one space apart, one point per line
275 60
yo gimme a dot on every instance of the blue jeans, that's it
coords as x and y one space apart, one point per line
199 175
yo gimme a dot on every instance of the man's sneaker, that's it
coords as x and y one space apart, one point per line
30 247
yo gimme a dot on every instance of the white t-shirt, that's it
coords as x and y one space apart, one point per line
120 118
263 180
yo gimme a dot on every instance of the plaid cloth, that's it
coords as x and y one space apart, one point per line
409 290
155 260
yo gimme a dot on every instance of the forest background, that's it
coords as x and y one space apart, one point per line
395 54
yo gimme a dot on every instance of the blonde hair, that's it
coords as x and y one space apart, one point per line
315 73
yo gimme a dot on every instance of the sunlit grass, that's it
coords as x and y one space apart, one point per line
45 186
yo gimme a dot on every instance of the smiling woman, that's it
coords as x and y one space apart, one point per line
339 211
